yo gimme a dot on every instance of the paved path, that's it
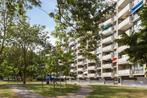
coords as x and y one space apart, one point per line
22 92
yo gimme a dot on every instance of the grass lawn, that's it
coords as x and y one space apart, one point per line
6 92
101 91
49 90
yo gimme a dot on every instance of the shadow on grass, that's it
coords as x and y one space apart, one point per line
117 92
5 92
49 90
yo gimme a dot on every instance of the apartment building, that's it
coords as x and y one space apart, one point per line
82 68
114 65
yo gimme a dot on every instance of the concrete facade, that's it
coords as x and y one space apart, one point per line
114 66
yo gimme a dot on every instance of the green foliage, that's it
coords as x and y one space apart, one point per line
79 19
137 41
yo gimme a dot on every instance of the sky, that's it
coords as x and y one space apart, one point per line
40 16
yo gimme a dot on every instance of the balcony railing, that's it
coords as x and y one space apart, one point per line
72 70
91 61
107 48
105 27
126 24
122 48
107 57
125 11
109 21
123 60
80 69
122 3
124 72
107 74
92 67
80 75
80 57
109 39
91 75
138 71
105 66
137 6
80 63
108 31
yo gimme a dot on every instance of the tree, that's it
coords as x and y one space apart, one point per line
28 38
137 41
79 19
11 12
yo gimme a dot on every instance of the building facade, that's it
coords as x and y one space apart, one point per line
114 66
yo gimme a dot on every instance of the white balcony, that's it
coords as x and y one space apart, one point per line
107 57
125 24
80 75
106 66
122 48
107 48
125 11
108 31
139 71
80 63
91 61
107 74
92 75
72 70
91 67
109 39
124 72
136 17
80 57
80 69
85 72
109 21
122 3
123 60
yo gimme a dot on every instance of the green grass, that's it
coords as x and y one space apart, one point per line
49 90
101 91
6 92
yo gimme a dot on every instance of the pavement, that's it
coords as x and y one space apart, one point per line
22 92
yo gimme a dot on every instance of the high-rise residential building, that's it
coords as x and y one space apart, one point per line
122 17
81 67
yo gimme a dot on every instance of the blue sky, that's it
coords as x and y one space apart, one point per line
37 16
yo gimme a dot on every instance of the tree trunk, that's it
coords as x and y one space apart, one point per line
24 75
25 66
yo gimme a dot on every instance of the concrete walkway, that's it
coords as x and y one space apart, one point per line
22 92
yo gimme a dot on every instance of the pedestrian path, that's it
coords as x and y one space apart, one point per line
22 92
